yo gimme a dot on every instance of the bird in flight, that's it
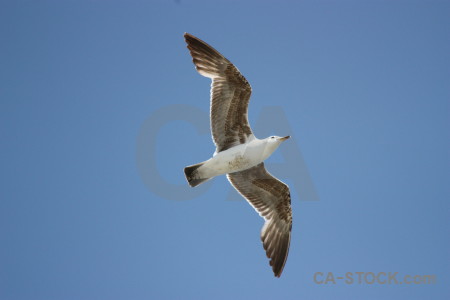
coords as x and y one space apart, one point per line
239 154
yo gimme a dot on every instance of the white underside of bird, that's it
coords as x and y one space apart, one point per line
237 158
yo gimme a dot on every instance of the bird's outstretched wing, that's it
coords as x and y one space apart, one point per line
272 200
230 94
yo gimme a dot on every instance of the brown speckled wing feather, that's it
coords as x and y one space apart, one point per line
272 200
230 94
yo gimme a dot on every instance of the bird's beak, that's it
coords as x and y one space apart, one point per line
285 138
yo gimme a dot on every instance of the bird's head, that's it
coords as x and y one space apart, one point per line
277 139
274 141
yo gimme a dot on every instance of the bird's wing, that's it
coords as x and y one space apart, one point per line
272 200
230 94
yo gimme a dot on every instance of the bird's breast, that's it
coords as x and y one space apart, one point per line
237 158
239 162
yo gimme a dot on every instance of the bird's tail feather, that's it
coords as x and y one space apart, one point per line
193 175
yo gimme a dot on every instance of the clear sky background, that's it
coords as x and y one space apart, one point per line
364 87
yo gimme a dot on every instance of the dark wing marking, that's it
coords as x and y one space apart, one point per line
230 94
272 200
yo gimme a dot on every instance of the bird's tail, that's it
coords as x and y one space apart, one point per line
193 176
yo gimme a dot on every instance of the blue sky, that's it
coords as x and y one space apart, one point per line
362 86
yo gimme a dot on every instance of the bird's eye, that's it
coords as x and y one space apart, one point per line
271 137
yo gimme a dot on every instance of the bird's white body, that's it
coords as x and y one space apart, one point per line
240 157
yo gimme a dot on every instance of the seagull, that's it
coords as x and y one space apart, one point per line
239 154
